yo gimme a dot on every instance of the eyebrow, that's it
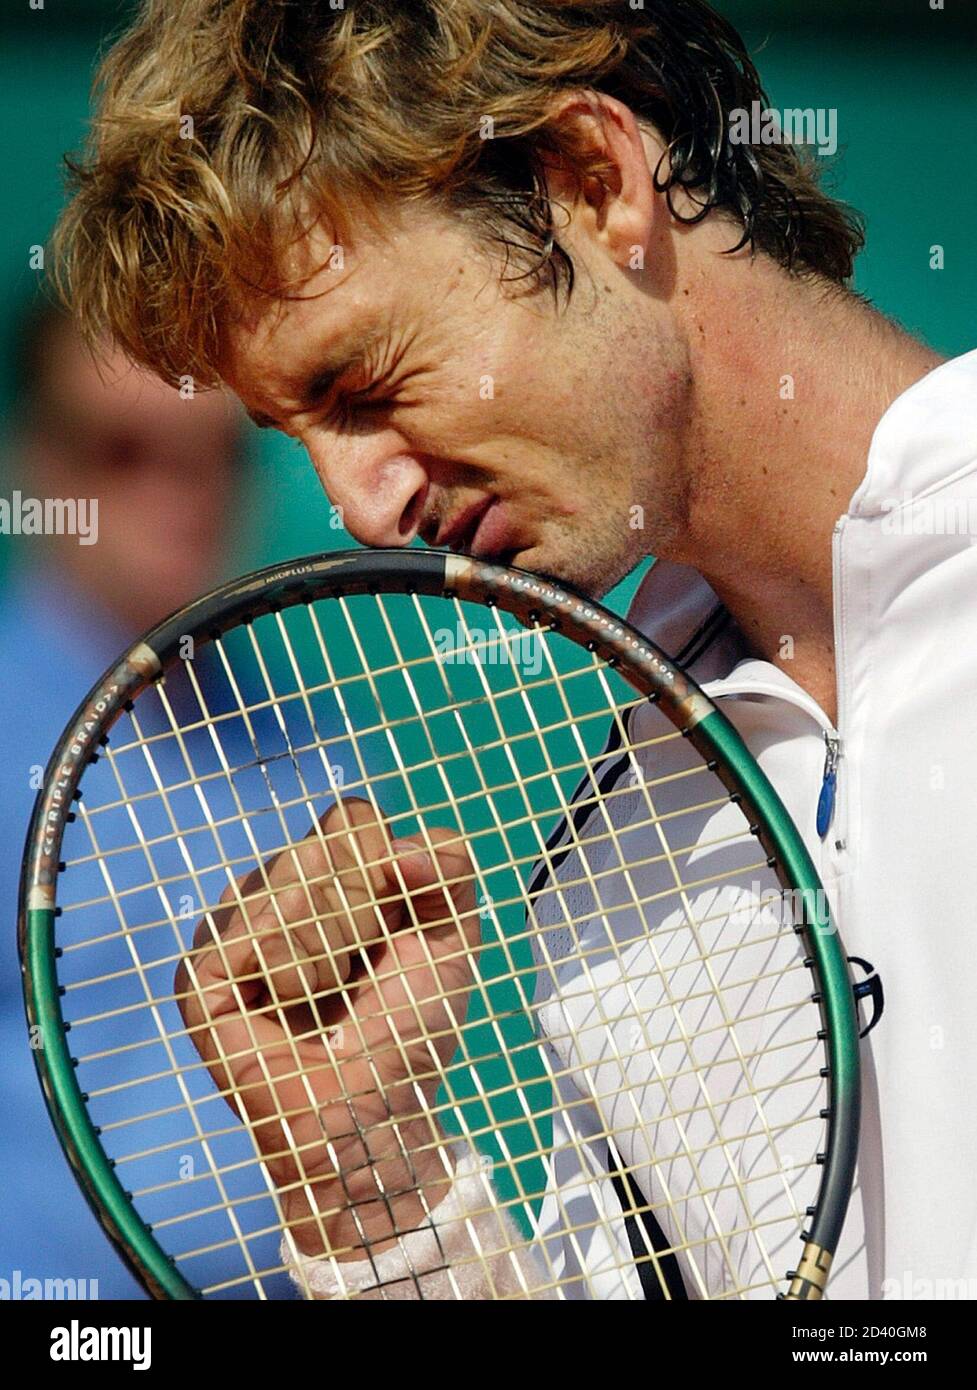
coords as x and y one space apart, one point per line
333 366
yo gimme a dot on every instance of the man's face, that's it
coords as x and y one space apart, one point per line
163 468
472 413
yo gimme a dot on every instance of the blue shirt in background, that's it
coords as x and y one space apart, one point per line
53 647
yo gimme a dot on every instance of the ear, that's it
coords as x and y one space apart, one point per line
616 206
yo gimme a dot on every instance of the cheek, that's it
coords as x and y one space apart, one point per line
671 402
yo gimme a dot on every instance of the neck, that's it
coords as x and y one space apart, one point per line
791 380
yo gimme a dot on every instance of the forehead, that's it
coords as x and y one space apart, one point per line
342 286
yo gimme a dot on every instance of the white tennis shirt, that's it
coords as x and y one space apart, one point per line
899 863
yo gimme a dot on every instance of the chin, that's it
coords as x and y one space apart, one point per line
580 561
557 569
538 561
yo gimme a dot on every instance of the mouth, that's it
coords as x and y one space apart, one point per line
456 533
459 533
483 530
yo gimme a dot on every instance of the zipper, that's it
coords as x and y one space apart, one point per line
828 798
841 688
829 785
833 798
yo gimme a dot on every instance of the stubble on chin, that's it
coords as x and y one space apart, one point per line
593 555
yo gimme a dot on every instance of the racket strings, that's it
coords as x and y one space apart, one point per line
664 1205
427 781
212 725
625 871
242 862
199 1136
245 903
515 975
658 1208
258 976
213 1167
801 1079
295 1149
145 744
310 688
471 1057
445 783
541 1112
561 688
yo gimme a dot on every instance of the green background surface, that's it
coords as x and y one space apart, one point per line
900 74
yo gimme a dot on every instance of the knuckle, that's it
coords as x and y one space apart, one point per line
295 904
231 893
347 810
204 933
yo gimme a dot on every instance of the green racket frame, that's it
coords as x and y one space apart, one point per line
534 601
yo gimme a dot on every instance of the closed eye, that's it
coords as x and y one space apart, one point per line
351 405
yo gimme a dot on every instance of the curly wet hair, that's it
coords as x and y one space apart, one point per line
222 128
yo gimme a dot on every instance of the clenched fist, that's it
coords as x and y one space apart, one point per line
325 994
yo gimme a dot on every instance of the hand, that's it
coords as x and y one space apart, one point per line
325 995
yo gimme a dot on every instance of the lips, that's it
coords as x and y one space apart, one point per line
458 533
482 530
493 536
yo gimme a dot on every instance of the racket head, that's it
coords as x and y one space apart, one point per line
548 610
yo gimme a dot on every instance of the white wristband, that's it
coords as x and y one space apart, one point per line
468 1248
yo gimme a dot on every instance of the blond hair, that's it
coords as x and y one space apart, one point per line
223 128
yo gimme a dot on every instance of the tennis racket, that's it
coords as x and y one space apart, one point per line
396 925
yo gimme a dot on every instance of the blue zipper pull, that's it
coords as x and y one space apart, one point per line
829 784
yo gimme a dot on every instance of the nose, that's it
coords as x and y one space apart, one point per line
380 496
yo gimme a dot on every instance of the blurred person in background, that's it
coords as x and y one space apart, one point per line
165 469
